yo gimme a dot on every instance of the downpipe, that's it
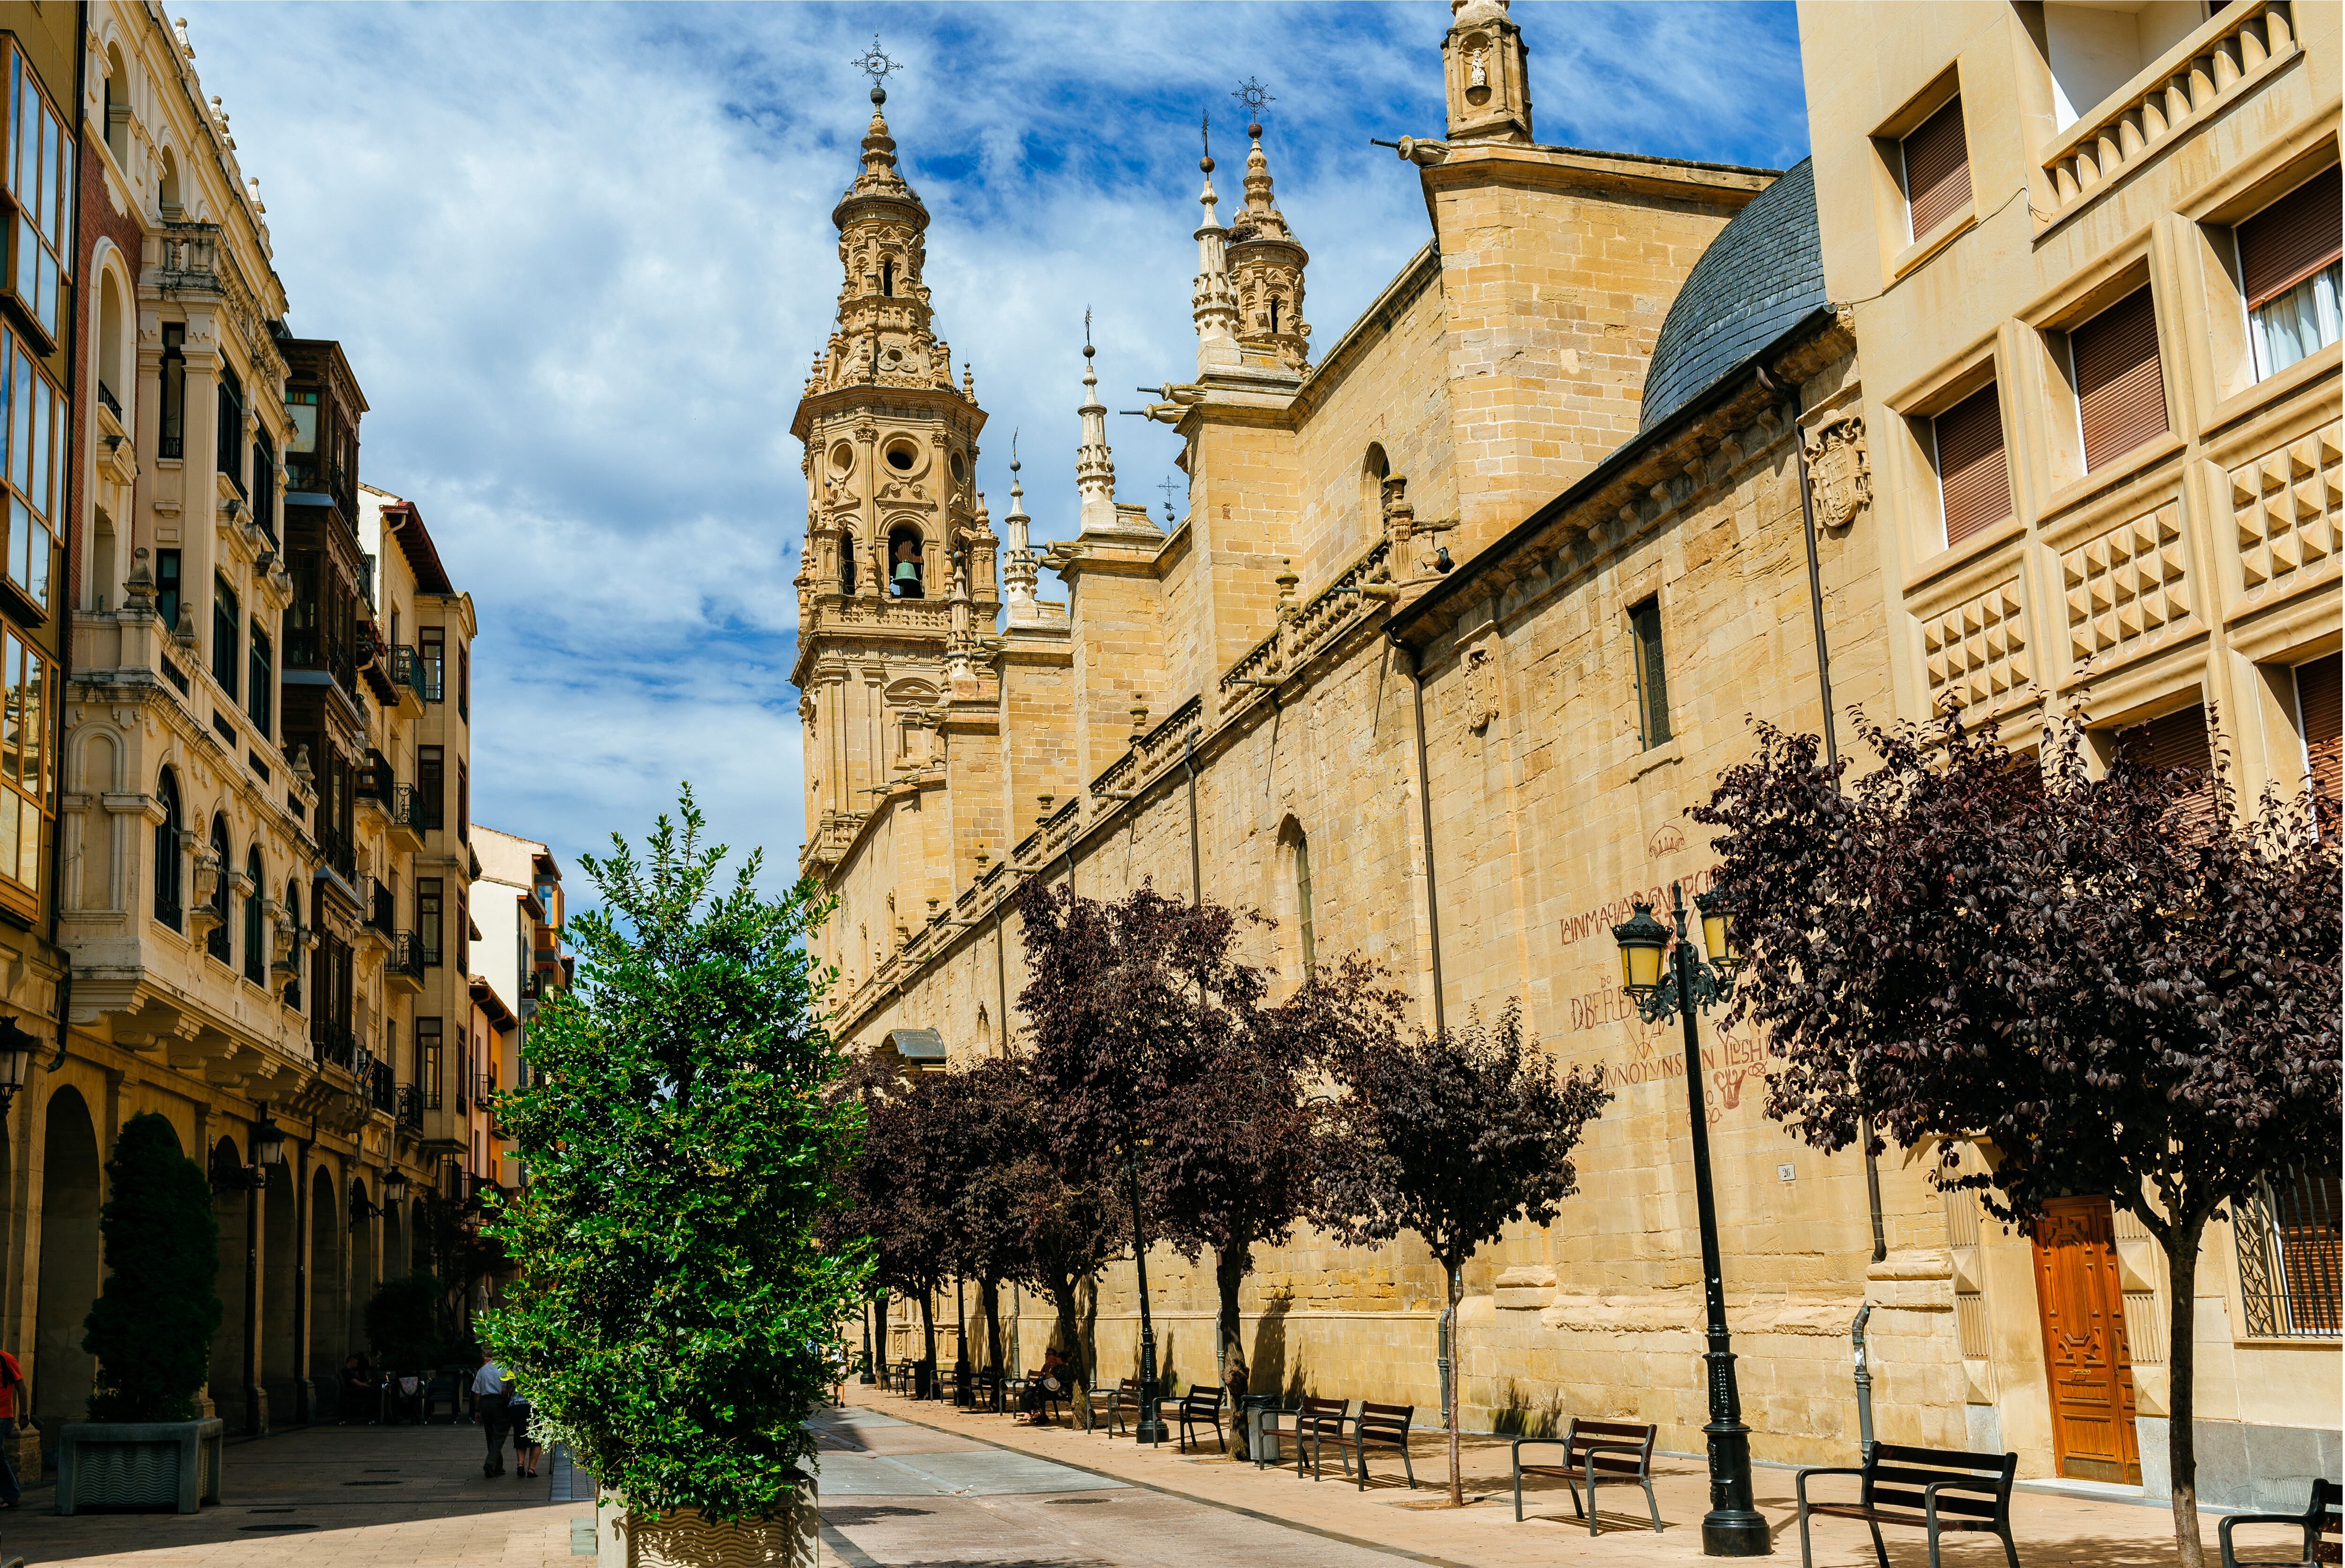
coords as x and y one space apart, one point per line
1863 1382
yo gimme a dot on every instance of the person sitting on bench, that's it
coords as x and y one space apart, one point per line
1047 1387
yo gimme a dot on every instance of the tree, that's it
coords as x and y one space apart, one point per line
151 1329
674 1313
1454 1134
991 1107
900 1191
1236 1156
2122 985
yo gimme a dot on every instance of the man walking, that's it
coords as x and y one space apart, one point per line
489 1390
12 1394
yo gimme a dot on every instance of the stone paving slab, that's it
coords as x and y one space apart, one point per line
982 1472
2053 1531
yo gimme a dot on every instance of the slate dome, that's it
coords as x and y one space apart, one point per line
1762 273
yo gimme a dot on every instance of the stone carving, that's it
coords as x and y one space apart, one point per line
1839 479
2128 583
1481 687
1977 653
2287 505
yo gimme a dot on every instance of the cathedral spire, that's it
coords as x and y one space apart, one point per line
1094 466
1486 72
1267 264
1213 303
1019 575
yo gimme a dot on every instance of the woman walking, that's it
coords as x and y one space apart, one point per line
524 1440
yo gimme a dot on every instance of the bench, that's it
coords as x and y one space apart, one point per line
1934 1489
1114 1405
1300 1424
1201 1406
1379 1426
1596 1453
1032 1385
2319 1524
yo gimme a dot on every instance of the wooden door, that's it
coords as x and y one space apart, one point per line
2081 1297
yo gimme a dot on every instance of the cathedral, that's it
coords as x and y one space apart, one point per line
1472 599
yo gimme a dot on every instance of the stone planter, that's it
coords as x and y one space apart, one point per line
682 1539
139 1464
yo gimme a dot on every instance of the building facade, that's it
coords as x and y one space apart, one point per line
1467 607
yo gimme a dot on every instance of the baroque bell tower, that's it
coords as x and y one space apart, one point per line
898 573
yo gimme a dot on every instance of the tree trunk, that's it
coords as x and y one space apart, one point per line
2181 1448
928 1344
1231 1265
989 1307
1457 1365
1069 1335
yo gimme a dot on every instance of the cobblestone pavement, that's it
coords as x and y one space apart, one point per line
2053 1531
348 1497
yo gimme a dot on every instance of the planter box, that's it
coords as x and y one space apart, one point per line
682 1539
139 1464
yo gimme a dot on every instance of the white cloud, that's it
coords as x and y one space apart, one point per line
580 256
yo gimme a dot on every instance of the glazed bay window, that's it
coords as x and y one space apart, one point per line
39 167
25 765
36 419
2289 270
302 446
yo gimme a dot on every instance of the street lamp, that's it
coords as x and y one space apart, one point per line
868 1377
268 1146
17 1051
1150 1426
394 1189
1732 1528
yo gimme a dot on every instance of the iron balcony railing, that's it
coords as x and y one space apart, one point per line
382 1094
383 914
106 395
334 1042
407 670
406 954
411 1106
338 851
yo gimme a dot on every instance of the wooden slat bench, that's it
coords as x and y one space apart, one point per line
1598 1453
1377 1426
1300 1424
1937 1490
1200 1407
1114 1405
2323 1534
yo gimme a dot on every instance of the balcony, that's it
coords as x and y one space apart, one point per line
335 1045
403 969
407 674
410 1111
382 912
382 1094
406 809
337 851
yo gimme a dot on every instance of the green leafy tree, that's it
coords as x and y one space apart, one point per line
152 1329
674 1313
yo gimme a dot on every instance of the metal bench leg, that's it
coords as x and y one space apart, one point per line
1518 1488
1655 1508
1363 1486
1880 1548
1591 1496
2010 1549
1405 1465
1933 1543
1807 1557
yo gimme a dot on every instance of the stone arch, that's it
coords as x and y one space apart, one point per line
92 870
364 1270
906 561
220 941
329 1313
166 185
1375 469
280 1270
70 1264
231 1209
1294 901
169 879
117 125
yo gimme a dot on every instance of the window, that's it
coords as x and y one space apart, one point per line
2120 389
167 852
463 800
302 446
463 682
2289 270
254 955
35 427
217 942
1974 482
262 671
2317 720
1938 168
464 932
846 563
431 786
2289 1239
1302 901
1653 679
887 278
293 958
427 920
175 390
231 452
264 487
904 557
24 766
227 621
2178 741
428 1060
39 166
431 647
166 589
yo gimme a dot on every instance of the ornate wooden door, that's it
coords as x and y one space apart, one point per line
2080 1294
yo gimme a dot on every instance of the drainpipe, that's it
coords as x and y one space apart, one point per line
1196 873
1424 809
1832 758
1863 1383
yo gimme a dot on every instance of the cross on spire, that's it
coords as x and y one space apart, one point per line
1257 98
1167 488
877 65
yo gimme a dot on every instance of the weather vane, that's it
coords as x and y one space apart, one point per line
1087 326
1205 133
1255 97
878 67
1167 488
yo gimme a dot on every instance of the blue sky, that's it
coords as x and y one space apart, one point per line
581 257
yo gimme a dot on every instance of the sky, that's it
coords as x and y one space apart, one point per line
581 258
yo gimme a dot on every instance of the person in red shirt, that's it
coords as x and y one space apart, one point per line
12 1386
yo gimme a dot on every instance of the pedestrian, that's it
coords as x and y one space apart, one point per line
12 1401
524 1441
361 1390
489 1391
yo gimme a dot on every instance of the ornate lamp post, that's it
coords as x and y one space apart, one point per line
17 1049
394 1189
1149 1428
1732 1528
868 1377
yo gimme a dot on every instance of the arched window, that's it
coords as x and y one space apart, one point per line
113 384
846 563
293 913
1375 469
887 278
1297 845
167 188
117 106
167 854
255 957
218 944
904 562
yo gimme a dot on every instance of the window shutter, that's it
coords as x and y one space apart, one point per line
1974 485
1937 171
2292 238
2317 709
2177 740
2120 389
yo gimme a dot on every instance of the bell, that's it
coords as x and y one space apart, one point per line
907 572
